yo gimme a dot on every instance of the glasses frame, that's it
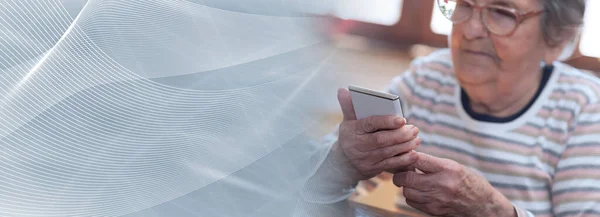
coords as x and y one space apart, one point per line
520 16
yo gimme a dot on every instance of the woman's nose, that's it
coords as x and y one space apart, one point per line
474 27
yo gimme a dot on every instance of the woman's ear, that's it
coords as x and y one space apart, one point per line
564 50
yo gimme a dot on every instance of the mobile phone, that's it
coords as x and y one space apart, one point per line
367 102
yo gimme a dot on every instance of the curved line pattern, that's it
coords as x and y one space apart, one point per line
273 8
87 128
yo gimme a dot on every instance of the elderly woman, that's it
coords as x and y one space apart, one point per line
494 126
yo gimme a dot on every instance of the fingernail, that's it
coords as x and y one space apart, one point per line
415 131
399 121
413 156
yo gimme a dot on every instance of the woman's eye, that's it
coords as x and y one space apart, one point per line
501 13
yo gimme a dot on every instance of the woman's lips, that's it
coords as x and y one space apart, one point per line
479 53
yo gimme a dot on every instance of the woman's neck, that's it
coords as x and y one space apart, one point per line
503 98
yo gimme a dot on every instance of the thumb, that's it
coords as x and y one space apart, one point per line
346 103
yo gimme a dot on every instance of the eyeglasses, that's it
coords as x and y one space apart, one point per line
499 20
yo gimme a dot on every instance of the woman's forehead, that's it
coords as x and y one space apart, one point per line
518 4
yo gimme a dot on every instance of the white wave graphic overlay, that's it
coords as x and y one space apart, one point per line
84 132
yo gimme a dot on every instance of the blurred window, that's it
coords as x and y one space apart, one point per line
590 39
440 24
382 12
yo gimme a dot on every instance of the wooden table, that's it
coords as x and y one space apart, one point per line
369 211
347 209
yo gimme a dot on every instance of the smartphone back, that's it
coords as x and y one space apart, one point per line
368 102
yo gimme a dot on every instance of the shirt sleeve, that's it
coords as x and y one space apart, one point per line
576 184
334 179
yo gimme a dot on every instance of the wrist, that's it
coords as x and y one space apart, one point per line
344 167
500 206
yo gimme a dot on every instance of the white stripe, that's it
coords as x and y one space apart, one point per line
589 117
550 145
573 72
545 167
585 89
457 123
579 183
556 124
534 205
438 76
579 161
429 93
536 120
542 140
569 105
513 180
435 117
484 152
528 141
587 138
578 206
522 138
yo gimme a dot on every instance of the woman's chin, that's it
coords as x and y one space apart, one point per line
472 76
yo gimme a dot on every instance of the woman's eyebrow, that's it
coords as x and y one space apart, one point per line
509 4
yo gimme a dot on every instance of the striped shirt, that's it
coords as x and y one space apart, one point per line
546 161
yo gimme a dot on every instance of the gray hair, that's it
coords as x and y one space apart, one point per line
562 20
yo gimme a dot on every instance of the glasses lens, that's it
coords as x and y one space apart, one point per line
499 20
455 10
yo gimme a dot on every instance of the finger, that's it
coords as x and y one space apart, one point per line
399 161
396 149
415 195
429 164
388 138
346 104
413 180
402 169
376 123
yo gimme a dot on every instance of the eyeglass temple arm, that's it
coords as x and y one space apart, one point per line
528 15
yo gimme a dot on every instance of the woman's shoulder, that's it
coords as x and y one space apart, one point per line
571 79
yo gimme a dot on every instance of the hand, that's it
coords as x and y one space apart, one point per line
447 188
375 144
